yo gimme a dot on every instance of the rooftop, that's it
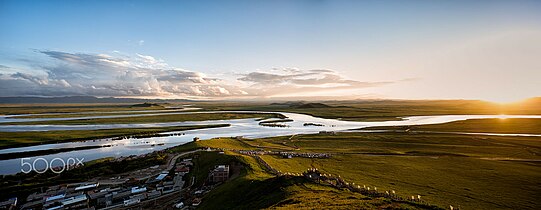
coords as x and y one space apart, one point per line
75 199
56 197
221 168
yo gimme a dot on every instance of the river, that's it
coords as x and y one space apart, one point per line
248 128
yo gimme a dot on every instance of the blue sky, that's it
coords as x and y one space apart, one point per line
238 49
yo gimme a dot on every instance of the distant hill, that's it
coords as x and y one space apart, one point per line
289 103
146 104
301 105
313 105
80 99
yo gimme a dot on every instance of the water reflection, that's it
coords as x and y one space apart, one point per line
248 128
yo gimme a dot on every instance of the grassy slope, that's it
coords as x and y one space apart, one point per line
523 126
13 139
256 189
153 119
445 169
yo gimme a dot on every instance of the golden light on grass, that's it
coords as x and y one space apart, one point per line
506 100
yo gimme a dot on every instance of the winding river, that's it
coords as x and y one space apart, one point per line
248 128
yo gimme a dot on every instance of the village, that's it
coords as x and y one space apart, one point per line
121 191
167 183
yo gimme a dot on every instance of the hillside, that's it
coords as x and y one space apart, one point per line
257 188
260 187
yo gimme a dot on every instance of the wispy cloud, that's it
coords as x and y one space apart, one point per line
294 80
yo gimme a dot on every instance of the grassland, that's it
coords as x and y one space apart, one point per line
194 116
475 172
16 139
352 110
378 110
12 109
290 193
254 188
90 114
504 125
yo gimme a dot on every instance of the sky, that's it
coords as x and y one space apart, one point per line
488 50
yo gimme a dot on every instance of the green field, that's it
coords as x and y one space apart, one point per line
17 139
12 109
503 125
379 110
254 188
475 172
89 114
353 110
192 116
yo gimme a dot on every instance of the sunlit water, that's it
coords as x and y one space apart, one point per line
248 128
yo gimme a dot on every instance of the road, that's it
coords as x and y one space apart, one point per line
173 160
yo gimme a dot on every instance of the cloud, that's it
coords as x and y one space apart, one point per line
107 75
268 78
147 76
296 81
141 42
